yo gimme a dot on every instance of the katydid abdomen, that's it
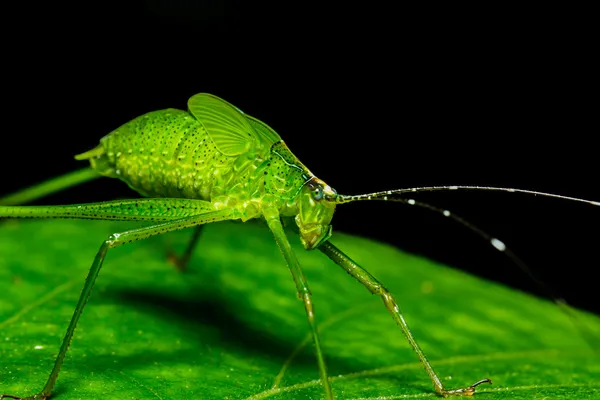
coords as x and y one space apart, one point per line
169 153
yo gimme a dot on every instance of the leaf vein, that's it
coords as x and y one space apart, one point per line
414 365
45 298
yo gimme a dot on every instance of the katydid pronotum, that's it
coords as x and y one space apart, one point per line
214 163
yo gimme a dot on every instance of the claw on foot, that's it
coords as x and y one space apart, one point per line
468 391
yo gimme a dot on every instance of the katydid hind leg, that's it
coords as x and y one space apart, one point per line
181 261
304 294
115 240
147 209
49 187
375 287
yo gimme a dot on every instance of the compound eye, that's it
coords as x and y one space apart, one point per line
317 193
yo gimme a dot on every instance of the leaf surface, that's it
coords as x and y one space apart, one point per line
231 326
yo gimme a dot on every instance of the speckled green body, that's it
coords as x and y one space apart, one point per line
168 153
214 163
216 153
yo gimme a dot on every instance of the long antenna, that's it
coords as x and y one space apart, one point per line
385 195
392 195
493 241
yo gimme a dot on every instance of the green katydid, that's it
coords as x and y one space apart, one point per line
214 163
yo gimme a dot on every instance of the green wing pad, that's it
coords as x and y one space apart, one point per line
267 136
226 124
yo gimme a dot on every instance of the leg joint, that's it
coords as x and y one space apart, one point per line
304 292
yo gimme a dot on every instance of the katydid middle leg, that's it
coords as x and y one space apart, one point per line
113 240
375 287
181 262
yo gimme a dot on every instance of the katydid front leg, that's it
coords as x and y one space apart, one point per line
376 287
274 223
146 209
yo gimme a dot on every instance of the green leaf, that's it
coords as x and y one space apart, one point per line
232 324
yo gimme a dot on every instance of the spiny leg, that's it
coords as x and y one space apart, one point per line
148 209
115 240
375 287
304 294
181 262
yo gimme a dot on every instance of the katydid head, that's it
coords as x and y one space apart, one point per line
316 204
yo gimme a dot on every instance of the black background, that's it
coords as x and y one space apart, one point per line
368 98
